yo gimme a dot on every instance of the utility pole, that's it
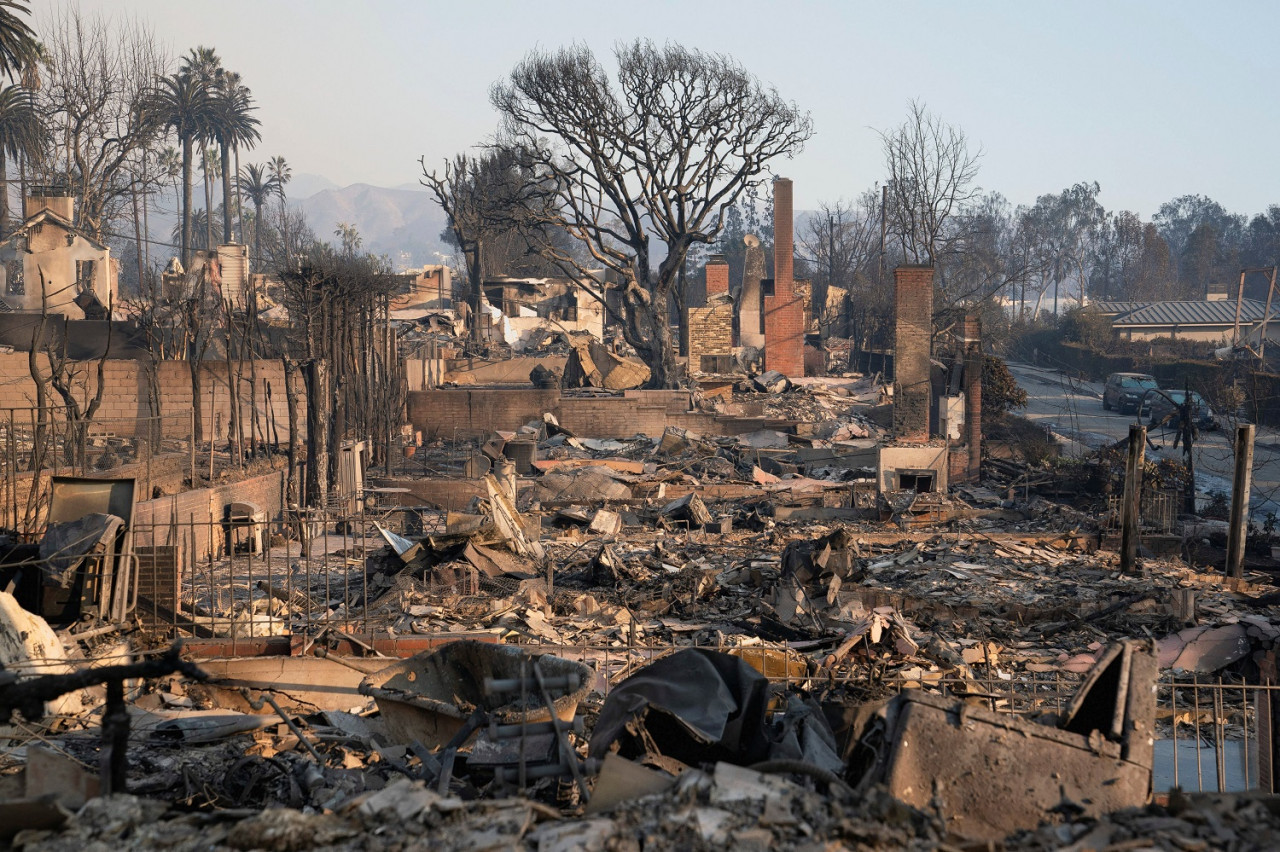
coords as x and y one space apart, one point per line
1235 338
1266 318
1131 504
1238 524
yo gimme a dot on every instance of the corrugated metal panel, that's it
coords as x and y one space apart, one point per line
1193 313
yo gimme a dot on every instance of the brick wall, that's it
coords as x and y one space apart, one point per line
784 335
456 412
465 413
912 337
129 390
192 519
710 328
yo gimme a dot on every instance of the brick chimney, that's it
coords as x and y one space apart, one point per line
912 339
783 312
783 239
717 275
972 341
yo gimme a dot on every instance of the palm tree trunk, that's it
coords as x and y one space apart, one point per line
257 234
227 234
239 195
186 204
208 204
4 196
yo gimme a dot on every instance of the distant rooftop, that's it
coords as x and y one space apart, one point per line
1222 312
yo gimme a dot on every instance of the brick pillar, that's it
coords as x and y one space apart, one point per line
783 312
912 340
783 240
717 275
973 393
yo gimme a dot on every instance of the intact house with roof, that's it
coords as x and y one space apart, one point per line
80 276
1211 321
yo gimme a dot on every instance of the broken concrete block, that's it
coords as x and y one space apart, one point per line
54 774
996 775
761 477
771 382
606 523
689 509
676 441
621 780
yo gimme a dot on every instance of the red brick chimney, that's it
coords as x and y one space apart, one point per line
912 341
783 312
717 275
783 239
973 392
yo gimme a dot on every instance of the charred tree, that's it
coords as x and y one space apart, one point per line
660 157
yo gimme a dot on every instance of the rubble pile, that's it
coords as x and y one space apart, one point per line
1195 821
675 642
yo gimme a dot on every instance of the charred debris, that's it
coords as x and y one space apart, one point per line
779 613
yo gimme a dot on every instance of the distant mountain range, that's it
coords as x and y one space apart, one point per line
401 223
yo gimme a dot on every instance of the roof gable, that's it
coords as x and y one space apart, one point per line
47 216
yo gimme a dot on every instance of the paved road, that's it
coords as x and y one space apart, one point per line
1073 410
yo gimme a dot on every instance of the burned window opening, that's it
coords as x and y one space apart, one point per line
15 283
919 481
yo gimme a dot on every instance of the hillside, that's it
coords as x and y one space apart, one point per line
404 224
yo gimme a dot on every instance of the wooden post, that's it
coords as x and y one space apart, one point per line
1131 504
1238 525
192 440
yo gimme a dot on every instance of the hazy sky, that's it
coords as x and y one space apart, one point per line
1150 99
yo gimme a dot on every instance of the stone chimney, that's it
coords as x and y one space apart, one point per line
717 275
48 198
912 339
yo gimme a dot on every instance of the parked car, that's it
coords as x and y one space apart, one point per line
1125 391
1162 404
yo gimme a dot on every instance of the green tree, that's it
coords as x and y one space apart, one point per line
22 134
182 101
18 45
350 237
260 186
1067 227
281 173
233 127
